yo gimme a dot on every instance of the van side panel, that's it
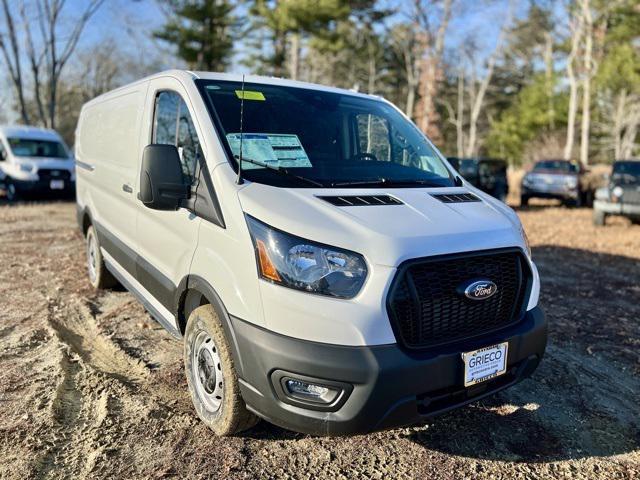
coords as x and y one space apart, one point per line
108 155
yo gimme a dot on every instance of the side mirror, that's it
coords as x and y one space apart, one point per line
162 185
3 155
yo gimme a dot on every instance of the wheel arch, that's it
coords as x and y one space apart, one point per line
85 219
193 292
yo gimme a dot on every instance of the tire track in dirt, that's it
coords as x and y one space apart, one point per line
77 327
66 407
87 358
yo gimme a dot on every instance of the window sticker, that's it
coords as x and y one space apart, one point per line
277 150
250 95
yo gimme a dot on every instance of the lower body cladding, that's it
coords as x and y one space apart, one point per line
362 389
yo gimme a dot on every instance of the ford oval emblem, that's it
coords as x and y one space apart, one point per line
479 289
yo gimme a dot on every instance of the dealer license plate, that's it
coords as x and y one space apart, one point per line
56 184
484 364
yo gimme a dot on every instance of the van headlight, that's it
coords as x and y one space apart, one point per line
571 182
26 167
305 265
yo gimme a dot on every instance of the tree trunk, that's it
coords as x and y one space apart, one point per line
460 116
576 36
13 60
586 84
432 64
279 53
294 68
618 123
373 72
548 61
477 100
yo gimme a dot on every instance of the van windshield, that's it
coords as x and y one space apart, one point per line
27 147
560 165
321 138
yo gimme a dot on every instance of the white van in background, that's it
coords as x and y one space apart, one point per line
325 267
35 161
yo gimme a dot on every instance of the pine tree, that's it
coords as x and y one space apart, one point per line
203 32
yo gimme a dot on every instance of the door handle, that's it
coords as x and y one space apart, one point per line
127 188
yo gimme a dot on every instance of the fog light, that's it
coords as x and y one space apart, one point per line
310 391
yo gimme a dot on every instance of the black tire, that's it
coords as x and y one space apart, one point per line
578 202
599 218
11 191
588 199
524 200
99 276
211 375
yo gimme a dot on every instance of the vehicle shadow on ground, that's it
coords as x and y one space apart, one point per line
36 201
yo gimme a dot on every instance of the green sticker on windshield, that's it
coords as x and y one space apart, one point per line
250 95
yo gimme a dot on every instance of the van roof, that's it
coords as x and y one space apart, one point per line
234 77
25 131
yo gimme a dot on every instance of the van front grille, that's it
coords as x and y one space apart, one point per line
53 174
426 307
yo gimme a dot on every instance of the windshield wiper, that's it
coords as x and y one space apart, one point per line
385 182
280 170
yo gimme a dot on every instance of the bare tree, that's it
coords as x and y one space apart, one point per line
478 88
455 115
48 56
619 122
13 59
406 42
588 71
576 26
433 35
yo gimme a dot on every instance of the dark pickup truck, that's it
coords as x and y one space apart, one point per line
487 174
622 194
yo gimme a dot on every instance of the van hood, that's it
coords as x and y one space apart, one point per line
387 235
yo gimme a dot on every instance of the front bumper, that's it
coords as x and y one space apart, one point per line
40 187
611 208
551 192
390 386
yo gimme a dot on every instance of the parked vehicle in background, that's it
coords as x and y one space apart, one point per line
558 179
487 174
35 161
621 196
325 267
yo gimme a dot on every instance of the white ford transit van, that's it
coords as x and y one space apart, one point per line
340 279
35 161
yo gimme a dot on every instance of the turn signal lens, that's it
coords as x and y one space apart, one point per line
267 269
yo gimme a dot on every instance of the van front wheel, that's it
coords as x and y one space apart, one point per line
99 276
211 375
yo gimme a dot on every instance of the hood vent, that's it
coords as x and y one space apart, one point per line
361 200
456 197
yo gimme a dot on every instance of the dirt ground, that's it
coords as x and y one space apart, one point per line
91 387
